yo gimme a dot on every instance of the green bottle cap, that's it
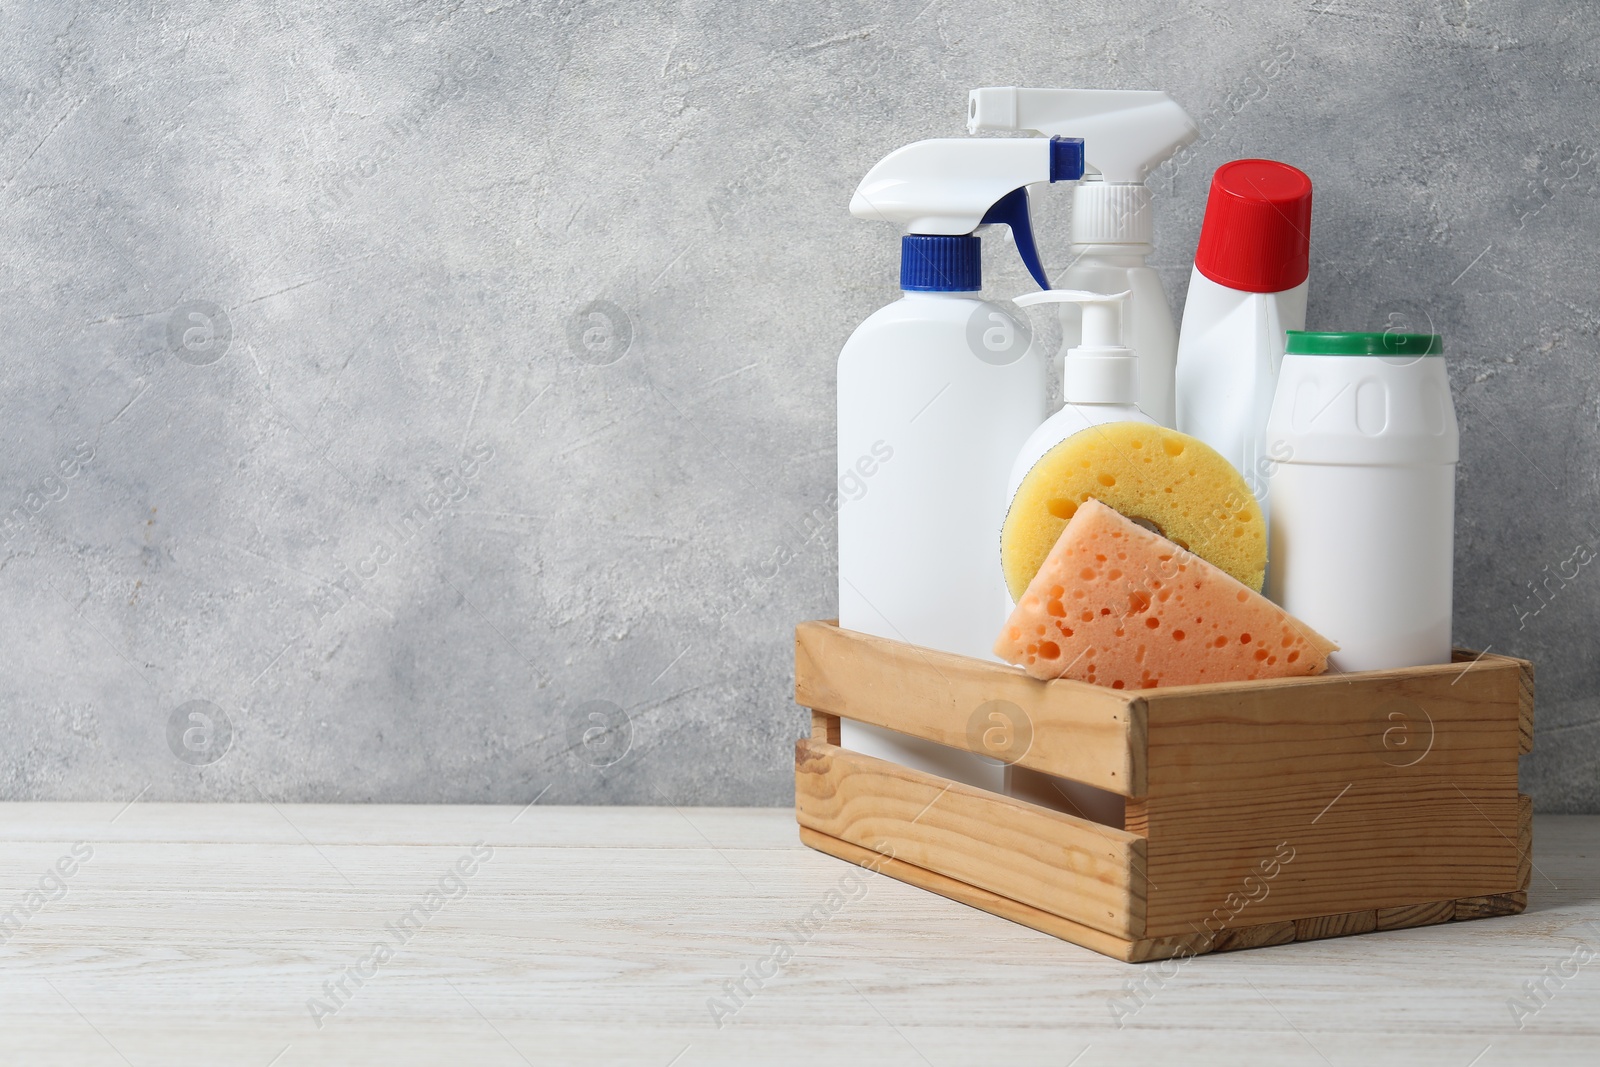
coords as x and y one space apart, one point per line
1329 343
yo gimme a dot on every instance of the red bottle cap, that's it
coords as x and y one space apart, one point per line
1257 231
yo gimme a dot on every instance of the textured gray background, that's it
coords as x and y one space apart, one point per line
402 211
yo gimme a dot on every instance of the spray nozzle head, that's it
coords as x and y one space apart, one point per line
951 186
1129 132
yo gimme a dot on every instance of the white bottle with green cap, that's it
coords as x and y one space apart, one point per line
1364 442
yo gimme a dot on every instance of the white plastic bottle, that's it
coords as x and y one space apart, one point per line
1099 381
1127 135
1363 531
1099 384
1247 289
937 392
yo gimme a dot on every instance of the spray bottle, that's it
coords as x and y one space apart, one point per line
1128 134
937 392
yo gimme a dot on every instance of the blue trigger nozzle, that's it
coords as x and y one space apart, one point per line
1066 159
1012 210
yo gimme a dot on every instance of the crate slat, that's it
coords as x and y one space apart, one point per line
1073 868
1083 732
1125 949
1409 915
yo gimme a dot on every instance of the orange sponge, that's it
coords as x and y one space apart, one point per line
1117 605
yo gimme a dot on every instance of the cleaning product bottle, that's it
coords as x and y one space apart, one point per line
1099 380
1248 287
937 392
1099 384
1127 133
1363 497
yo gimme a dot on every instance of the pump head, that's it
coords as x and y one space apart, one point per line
1101 370
948 187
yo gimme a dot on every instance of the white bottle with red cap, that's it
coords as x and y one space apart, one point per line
1248 287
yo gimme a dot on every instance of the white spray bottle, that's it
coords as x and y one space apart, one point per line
1127 135
937 392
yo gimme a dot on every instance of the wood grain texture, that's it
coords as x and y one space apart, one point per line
1524 690
1198 943
197 932
1073 868
1137 950
824 727
1129 951
1525 720
1388 787
1083 732
1260 935
1311 801
1485 907
1524 840
1409 915
1350 922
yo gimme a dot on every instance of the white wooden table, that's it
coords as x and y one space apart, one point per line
219 935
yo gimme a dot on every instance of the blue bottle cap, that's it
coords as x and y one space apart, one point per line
936 263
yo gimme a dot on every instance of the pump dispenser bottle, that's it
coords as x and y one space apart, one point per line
1127 134
1099 382
937 392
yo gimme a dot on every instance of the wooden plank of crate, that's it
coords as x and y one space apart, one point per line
1082 732
1524 691
1485 907
824 727
1524 840
1321 926
1525 703
1259 935
1409 915
1370 814
1070 867
1129 951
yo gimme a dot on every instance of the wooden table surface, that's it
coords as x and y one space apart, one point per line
280 935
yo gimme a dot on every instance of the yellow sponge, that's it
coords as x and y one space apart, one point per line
1164 480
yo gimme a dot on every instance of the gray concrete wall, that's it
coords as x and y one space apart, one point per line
405 389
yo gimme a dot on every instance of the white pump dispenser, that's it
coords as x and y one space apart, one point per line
1099 382
937 391
1127 135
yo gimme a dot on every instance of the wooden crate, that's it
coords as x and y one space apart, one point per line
1255 813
